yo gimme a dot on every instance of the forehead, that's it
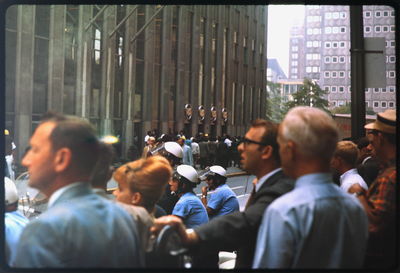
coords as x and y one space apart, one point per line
255 133
43 132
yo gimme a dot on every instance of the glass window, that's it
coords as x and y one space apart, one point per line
391 74
341 74
327 44
367 14
392 28
377 28
341 89
327 74
341 59
343 29
334 59
333 89
367 29
392 89
376 104
385 28
334 74
376 90
385 14
391 104
383 104
377 14
334 44
327 59
342 44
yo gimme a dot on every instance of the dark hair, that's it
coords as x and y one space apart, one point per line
102 171
77 135
270 136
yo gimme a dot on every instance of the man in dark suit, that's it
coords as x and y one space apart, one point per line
259 154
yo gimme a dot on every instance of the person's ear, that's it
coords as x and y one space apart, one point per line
291 150
267 152
136 198
62 159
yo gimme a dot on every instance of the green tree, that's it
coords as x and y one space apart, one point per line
275 107
309 94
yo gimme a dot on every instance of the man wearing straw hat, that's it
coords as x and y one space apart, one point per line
380 199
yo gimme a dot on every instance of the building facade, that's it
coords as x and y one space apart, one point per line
133 68
325 37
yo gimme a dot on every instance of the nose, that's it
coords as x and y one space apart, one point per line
25 160
240 147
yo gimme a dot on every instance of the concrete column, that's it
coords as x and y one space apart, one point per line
219 59
129 81
25 45
56 58
149 98
84 62
194 76
166 66
108 71
207 69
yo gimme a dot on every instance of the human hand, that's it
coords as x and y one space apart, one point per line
204 190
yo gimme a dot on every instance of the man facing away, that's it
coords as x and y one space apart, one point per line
259 154
316 225
80 228
344 163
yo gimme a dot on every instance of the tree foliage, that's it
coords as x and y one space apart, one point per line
275 107
309 94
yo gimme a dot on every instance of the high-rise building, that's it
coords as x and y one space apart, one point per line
325 37
133 68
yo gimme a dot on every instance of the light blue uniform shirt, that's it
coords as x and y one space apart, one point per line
14 223
191 210
223 200
316 225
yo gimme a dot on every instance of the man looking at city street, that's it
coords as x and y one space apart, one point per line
80 228
259 154
316 225
380 199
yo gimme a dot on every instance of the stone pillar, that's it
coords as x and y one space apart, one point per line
108 71
84 63
25 45
56 58
166 66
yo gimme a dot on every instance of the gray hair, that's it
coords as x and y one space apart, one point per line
313 130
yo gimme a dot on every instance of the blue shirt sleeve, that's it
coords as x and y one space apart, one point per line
181 209
215 201
275 241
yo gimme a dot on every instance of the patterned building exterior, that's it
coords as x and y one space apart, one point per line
325 36
133 68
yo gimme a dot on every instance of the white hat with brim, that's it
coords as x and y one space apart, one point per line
385 122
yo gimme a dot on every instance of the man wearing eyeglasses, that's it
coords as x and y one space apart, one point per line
380 199
259 155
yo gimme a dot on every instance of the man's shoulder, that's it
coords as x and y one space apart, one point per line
278 181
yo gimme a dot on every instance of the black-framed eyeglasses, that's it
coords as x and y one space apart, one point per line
246 141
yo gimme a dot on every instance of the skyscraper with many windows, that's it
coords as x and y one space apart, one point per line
325 39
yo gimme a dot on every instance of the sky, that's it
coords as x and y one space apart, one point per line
280 20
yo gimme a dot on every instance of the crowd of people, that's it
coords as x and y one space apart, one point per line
316 202
200 151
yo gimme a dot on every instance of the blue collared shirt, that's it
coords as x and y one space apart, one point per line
316 225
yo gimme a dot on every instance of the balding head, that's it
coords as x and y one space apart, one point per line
313 130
